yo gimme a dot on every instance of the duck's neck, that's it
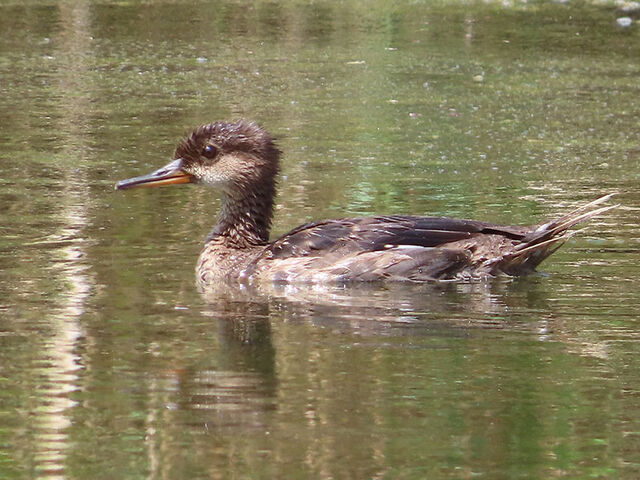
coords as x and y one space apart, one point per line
245 216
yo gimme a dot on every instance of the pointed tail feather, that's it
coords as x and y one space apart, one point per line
576 216
547 238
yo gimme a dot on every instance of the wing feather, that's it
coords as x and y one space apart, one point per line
378 233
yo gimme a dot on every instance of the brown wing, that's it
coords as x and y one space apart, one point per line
379 233
398 247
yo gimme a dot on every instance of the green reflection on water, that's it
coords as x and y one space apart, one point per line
113 366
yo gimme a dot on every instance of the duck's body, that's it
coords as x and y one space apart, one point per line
367 249
242 161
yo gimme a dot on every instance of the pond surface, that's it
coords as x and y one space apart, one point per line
112 365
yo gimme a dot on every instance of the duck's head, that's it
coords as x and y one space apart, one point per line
232 157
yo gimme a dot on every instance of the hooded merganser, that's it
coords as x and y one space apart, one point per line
242 161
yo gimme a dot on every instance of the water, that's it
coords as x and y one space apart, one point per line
112 365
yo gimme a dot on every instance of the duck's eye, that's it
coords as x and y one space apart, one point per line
209 152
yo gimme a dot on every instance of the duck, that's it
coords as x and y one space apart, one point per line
241 160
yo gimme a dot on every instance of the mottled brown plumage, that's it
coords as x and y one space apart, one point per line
241 160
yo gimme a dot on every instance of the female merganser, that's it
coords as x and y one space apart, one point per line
241 160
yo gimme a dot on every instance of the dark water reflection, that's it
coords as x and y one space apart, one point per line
112 365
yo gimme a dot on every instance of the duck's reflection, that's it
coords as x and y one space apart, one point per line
233 385
286 352
239 386
382 308
259 328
